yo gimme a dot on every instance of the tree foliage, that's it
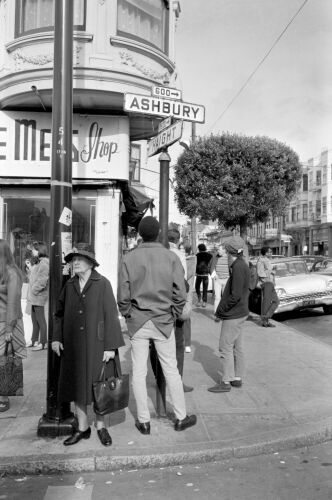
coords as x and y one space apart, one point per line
235 179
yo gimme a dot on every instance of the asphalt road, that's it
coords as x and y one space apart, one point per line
302 474
312 322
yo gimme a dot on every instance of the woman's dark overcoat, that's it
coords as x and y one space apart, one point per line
87 324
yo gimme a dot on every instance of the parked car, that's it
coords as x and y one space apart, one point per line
310 260
323 266
297 288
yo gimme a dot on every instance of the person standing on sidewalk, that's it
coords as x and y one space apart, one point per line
265 281
11 322
86 334
38 296
151 297
233 310
180 324
203 262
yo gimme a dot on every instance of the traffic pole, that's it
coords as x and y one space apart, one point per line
164 160
58 419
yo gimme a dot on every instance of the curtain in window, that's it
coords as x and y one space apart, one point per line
39 14
143 19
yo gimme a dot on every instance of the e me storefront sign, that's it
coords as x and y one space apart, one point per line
100 146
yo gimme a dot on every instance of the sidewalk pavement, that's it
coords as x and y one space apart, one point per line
286 401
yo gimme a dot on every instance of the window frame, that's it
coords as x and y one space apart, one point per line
144 41
18 21
135 175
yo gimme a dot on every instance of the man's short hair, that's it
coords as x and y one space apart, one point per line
149 228
264 250
201 247
173 235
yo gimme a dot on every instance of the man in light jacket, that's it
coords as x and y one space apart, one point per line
151 297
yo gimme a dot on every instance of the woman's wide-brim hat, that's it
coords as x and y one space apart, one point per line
82 253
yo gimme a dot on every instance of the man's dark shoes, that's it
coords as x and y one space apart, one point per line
188 421
143 427
270 325
236 383
222 387
104 437
77 436
187 388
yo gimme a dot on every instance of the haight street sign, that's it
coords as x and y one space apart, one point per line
149 105
165 138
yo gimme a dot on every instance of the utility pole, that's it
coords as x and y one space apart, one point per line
193 220
58 419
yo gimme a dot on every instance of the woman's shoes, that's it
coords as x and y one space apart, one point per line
39 347
31 344
4 405
77 436
104 437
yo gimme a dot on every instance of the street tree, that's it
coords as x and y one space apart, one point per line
235 179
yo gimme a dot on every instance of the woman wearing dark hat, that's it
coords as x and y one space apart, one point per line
86 332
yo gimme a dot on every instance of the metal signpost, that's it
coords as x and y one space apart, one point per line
58 419
167 102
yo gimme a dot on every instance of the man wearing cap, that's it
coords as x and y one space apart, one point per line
233 310
151 297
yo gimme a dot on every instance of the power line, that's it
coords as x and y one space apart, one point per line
259 64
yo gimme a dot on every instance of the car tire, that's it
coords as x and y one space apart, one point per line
327 309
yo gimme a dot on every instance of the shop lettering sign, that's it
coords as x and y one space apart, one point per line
100 146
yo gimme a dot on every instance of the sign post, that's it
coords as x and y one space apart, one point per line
58 419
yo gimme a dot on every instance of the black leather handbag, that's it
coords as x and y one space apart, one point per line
111 394
11 373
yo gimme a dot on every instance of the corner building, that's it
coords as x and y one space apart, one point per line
119 46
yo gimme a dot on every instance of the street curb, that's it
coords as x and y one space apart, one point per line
275 441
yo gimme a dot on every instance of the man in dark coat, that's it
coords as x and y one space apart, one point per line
151 297
86 332
233 310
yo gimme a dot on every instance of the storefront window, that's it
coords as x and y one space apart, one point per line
28 219
38 15
143 20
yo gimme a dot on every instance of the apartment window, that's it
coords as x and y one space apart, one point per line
293 214
324 204
135 162
305 182
38 15
318 208
143 20
318 178
305 211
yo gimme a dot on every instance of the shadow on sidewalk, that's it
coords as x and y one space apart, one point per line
208 359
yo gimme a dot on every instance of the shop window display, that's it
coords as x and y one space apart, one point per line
28 220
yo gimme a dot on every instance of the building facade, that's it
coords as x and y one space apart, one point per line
119 47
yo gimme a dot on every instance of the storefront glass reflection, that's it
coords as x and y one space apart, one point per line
27 220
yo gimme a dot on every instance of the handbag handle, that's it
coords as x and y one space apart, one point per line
117 369
9 342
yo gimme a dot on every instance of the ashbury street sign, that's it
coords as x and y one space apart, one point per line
151 105
165 138
100 146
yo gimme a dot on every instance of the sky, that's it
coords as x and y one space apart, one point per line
220 43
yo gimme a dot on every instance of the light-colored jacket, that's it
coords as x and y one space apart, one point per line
264 270
38 283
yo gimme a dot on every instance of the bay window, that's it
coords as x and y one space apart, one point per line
144 21
38 15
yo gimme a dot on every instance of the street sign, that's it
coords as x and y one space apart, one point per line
149 105
165 138
166 92
164 124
